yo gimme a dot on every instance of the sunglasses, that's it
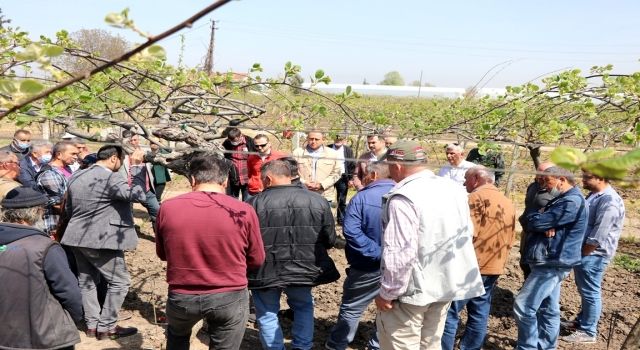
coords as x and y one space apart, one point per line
262 145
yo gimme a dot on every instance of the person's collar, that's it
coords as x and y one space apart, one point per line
488 186
310 150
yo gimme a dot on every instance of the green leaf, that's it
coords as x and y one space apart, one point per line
52 50
319 74
7 86
347 91
568 158
157 51
115 19
31 87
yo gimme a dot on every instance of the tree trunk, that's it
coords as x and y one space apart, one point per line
514 164
534 152
633 339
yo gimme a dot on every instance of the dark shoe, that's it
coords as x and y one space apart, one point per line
116 333
91 332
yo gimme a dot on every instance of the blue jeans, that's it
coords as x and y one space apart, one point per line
267 302
152 205
589 281
359 290
226 315
478 316
537 308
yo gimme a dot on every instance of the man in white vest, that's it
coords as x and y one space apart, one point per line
428 258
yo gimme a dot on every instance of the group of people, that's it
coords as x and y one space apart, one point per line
422 247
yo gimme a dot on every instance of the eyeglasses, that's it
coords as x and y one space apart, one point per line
313 139
262 145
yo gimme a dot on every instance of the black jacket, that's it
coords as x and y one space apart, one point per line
42 298
349 163
297 229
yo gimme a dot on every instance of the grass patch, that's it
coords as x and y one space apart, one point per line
627 262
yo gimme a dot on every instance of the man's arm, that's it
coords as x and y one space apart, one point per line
53 186
62 283
399 252
333 176
352 230
328 231
561 212
255 249
119 189
160 252
477 210
607 214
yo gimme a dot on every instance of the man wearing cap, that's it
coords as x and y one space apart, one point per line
457 166
39 296
9 170
100 229
428 258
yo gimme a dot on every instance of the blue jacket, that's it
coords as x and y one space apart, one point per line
363 226
567 214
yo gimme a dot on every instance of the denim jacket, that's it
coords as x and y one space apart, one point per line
567 214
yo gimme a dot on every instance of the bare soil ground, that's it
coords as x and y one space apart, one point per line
147 297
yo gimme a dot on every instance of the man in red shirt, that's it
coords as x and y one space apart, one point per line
255 161
209 241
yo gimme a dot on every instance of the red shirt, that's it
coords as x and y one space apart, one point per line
254 163
208 240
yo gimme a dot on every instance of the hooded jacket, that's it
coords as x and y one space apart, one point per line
43 298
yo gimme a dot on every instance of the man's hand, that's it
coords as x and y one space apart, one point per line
383 304
136 157
587 249
550 232
357 183
313 186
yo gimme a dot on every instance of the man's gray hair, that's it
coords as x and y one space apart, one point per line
484 173
557 171
40 145
19 215
276 167
380 168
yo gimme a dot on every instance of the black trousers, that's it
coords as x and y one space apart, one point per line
342 187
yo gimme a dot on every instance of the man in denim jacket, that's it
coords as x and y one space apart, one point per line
553 248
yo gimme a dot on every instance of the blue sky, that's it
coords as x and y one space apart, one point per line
453 43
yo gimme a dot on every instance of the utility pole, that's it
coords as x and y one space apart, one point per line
208 60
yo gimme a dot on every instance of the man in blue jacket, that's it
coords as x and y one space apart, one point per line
553 247
362 231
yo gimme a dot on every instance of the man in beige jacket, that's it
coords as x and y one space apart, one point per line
318 166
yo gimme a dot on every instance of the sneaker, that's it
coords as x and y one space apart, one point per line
579 337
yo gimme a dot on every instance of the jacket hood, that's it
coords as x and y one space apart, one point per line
13 232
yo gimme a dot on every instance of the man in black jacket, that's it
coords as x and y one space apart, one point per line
38 293
348 168
297 229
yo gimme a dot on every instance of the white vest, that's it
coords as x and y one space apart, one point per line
446 268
